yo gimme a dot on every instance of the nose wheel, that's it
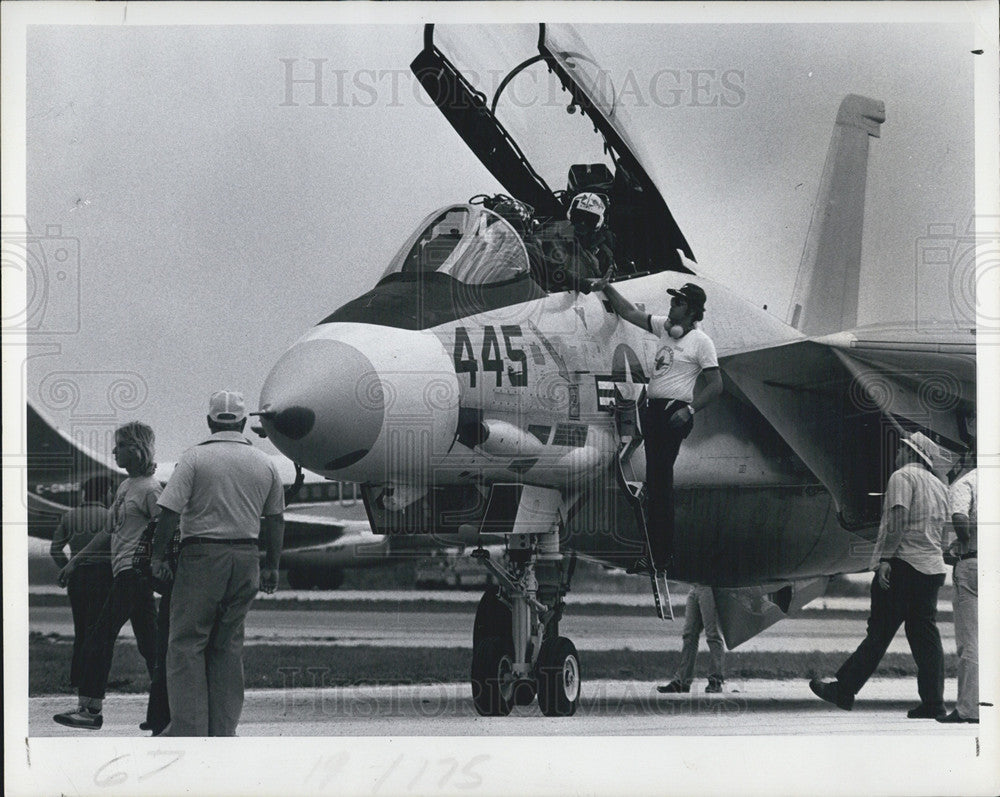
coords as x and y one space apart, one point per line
558 672
517 653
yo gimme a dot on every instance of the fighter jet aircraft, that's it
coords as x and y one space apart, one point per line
469 395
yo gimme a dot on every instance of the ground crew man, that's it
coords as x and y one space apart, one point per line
684 352
218 493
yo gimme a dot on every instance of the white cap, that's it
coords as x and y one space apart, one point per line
227 406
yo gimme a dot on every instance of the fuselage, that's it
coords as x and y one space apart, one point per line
430 419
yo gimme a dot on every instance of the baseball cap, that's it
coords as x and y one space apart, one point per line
227 406
926 448
691 293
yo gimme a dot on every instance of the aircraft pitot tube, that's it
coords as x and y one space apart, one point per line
360 406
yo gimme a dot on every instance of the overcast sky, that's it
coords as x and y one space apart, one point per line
216 222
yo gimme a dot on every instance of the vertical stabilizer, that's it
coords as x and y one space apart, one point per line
825 299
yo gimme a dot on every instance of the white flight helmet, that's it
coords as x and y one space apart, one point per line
587 207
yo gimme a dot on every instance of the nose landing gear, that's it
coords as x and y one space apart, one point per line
517 653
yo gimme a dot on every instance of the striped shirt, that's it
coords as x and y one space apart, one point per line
923 496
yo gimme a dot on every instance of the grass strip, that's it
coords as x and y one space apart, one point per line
312 666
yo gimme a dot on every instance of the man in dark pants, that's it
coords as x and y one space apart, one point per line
217 494
910 570
683 354
89 585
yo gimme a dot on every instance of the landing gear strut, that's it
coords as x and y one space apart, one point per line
517 652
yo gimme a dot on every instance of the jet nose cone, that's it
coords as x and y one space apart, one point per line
322 404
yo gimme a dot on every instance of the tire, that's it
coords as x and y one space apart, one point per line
492 619
492 684
329 578
559 678
299 578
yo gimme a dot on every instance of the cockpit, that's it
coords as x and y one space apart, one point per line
468 243
462 260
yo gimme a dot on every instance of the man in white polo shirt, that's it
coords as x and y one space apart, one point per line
683 354
218 493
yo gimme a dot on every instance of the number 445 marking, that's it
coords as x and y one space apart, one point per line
490 356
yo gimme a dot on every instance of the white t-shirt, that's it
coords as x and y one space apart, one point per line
134 506
678 361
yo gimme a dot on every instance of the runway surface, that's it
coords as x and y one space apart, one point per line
607 708
453 629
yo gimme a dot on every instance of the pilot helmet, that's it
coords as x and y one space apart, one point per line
587 209
516 213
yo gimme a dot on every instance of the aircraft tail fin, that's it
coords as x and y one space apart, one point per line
825 299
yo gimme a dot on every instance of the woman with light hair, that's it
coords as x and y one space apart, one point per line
131 596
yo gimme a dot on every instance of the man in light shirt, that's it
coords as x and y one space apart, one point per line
963 506
218 493
910 569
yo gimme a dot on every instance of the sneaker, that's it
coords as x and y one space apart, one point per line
714 686
925 712
640 565
831 692
674 687
81 718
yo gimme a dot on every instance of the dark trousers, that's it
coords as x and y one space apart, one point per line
158 708
911 600
88 590
662 445
130 598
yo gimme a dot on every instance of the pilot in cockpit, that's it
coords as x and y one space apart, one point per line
579 248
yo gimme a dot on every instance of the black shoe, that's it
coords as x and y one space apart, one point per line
81 718
956 717
145 725
714 686
673 688
925 712
831 692
640 565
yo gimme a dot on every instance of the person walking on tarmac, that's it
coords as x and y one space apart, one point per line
963 506
683 354
131 596
88 585
909 570
699 612
217 493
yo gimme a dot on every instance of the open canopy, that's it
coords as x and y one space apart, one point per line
506 90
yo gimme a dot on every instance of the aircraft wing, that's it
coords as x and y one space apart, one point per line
837 400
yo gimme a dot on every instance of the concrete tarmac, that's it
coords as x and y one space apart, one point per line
453 629
607 708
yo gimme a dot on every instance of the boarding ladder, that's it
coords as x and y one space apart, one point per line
629 441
